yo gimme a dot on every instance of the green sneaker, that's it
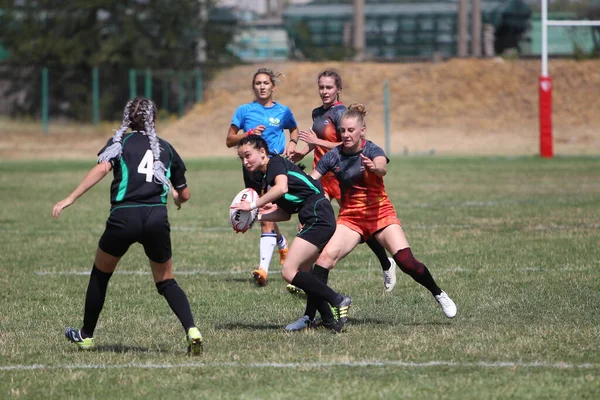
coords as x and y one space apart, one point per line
341 310
74 336
296 291
194 341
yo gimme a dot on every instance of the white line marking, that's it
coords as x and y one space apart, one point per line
480 364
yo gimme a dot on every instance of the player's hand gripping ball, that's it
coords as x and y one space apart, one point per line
242 220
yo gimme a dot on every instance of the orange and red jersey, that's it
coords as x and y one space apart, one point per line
364 204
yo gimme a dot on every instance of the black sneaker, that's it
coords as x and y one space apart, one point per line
335 326
341 310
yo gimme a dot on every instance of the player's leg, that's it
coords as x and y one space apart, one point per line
388 266
268 237
394 240
282 244
157 246
114 243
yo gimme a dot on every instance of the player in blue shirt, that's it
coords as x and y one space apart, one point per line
269 119
144 167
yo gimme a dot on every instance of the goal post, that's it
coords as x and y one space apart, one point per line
545 81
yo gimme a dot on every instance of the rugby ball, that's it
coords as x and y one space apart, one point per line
240 220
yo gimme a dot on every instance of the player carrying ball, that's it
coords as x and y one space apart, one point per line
291 191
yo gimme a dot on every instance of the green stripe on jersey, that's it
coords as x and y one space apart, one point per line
304 179
124 181
124 173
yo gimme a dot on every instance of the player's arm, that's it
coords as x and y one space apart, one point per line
315 174
378 165
290 149
310 137
276 215
180 196
278 190
94 176
232 136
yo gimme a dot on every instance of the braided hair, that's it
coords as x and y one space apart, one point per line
139 115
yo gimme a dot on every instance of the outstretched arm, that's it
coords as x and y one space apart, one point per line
94 176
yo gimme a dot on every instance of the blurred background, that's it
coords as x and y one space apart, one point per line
455 67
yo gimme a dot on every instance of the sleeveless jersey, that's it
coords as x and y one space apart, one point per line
133 176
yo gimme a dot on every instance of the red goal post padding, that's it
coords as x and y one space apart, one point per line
545 91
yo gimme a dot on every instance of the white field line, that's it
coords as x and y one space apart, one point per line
342 270
402 364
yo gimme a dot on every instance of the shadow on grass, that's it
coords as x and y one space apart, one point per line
240 325
373 321
120 348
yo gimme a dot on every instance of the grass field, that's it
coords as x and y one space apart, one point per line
514 241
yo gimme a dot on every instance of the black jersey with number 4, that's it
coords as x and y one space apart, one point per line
300 185
133 172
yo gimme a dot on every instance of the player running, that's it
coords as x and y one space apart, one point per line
365 209
291 191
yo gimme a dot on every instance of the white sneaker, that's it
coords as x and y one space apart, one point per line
389 276
447 305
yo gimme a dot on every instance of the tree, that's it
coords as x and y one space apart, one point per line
72 37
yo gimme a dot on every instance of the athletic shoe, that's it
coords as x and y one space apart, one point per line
296 290
389 276
300 324
74 336
260 276
194 341
282 255
335 326
447 305
340 311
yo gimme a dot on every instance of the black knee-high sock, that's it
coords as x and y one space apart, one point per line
177 301
379 251
322 305
314 303
312 286
94 300
417 270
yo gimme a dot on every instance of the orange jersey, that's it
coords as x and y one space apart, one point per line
364 203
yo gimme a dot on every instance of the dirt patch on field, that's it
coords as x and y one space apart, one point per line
455 107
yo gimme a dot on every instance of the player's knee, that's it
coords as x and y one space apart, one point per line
163 286
408 263
327 259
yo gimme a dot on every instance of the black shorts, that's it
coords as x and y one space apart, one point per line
254 180
318 221
148 225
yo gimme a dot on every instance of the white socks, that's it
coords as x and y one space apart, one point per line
267 245
282 243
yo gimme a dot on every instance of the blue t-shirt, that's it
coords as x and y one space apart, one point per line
275 119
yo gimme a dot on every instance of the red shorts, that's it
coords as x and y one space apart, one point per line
331 186
369 220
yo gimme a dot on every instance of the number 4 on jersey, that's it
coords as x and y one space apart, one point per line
146 166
